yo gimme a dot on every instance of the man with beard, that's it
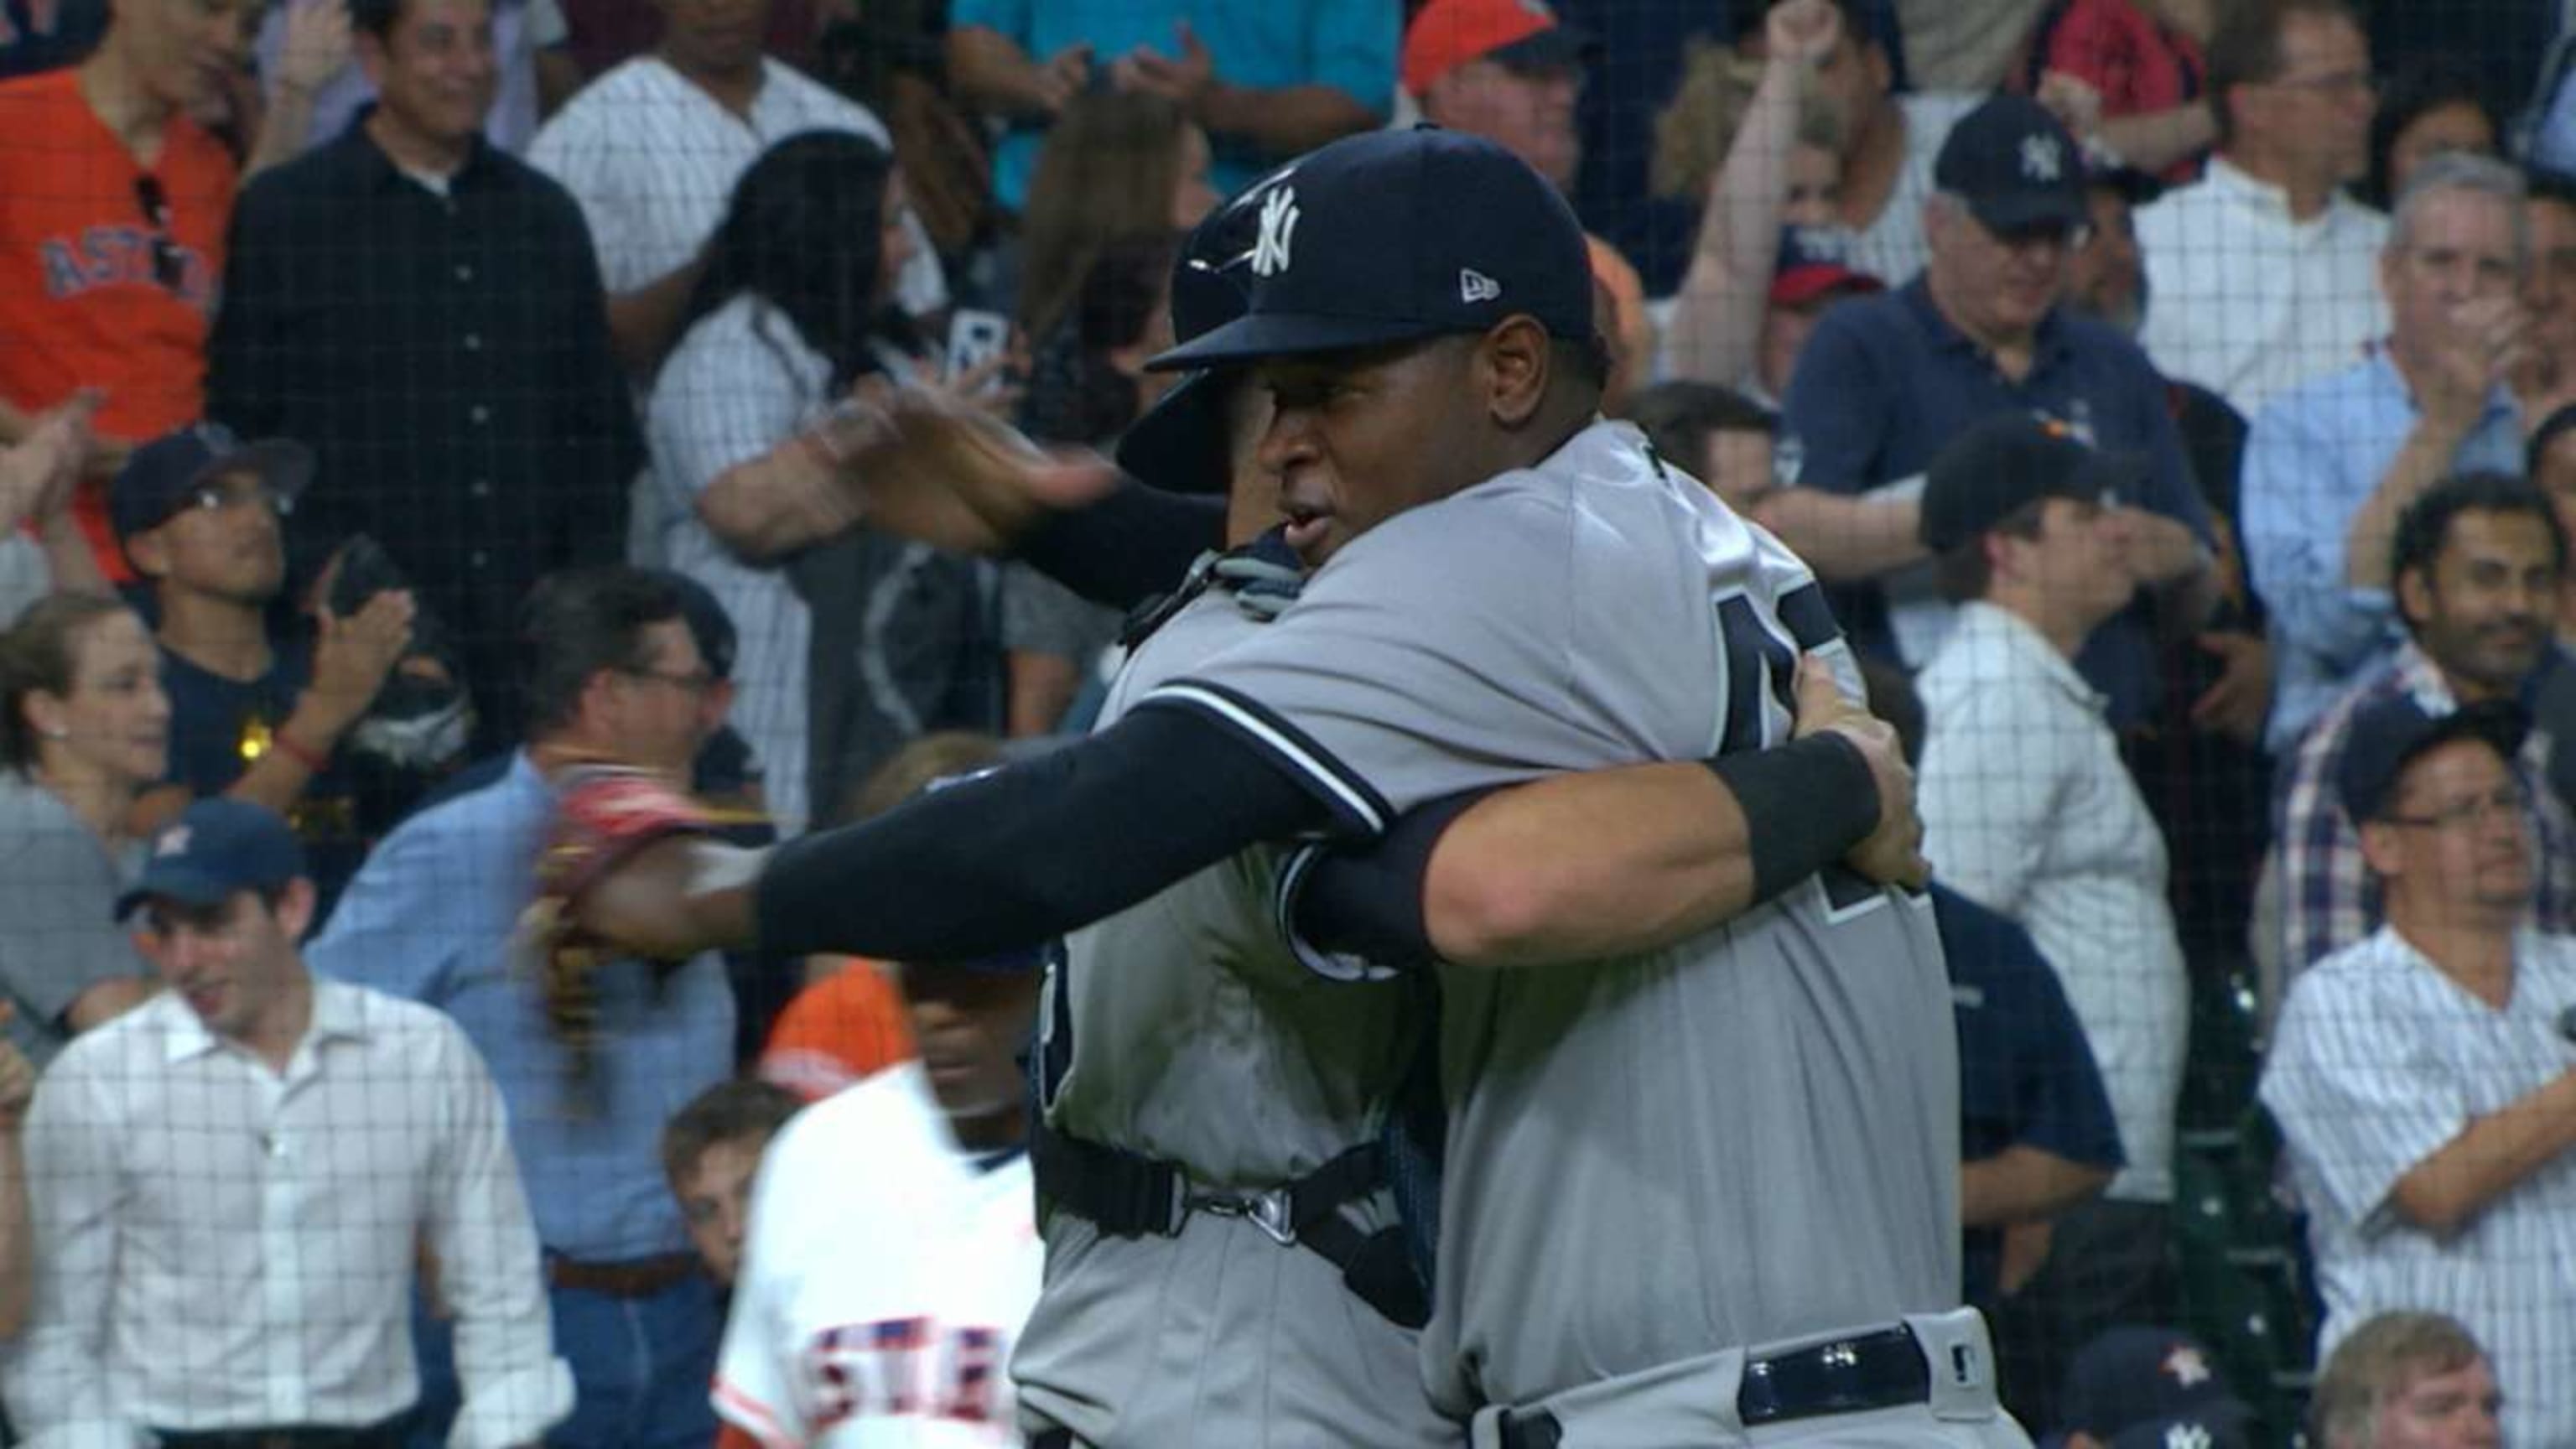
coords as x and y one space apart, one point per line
2477 562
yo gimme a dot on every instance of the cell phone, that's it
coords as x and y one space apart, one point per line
975 338
365 571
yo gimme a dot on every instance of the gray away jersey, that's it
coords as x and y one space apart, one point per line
1190 1033
1745 1138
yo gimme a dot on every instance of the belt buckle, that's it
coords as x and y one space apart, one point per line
1269 1211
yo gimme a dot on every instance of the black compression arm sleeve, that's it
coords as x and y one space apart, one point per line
1365 900
1025 855
1129 546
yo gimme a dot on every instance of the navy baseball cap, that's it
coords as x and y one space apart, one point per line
158 476
1180 444
2386 736
1815 261
2131 1378
1391 236
216 848
2015 166
2004 462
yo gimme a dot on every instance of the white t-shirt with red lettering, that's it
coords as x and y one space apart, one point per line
886 1275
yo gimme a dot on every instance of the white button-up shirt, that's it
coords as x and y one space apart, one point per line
219 1246
2246 300
652 159
2380 1061
2028 809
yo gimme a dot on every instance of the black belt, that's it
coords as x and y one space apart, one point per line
387 1435
1127 1195
1882 1369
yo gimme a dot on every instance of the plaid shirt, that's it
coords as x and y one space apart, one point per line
2328 898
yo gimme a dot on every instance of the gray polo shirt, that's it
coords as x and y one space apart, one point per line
58 930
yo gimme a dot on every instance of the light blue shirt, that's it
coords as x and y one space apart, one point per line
1262 44
431 917
2315 455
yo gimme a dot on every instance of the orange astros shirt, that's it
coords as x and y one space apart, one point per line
87 298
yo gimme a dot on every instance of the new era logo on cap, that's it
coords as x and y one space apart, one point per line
173 841
1475 286
1278 225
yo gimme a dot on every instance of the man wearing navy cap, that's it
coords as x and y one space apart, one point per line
201 516
1885 383
2029 811
2423 1077
1418 311
230 1182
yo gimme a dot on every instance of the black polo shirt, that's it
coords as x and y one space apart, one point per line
446 355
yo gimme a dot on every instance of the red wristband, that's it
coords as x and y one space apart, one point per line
285 744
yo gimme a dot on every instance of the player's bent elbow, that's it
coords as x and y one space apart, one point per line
1491 916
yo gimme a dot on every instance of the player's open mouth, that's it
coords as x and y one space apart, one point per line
1306 526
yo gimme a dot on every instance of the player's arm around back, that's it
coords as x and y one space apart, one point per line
1614 862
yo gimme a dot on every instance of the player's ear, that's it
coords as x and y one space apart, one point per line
1512 364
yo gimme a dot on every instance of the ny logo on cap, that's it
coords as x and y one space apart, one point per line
1475 286
173 841
2187 1436
1278 224
2039 158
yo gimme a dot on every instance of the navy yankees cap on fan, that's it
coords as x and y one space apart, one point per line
2002 463
159 476
1390 236
1180 444
2386 736
2015 166
218 847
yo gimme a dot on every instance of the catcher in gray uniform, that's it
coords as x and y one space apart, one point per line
1525 591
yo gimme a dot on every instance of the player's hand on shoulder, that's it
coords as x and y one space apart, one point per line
1892 853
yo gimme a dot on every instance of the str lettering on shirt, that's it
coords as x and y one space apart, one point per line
109 256
906 1368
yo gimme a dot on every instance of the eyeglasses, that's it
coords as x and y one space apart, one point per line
2336 83
168 267
2510 802
695 681
2046 234
216 497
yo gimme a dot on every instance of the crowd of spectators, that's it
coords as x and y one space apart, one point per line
405 402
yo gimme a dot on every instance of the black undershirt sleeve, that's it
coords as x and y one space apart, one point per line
1027 854
1365 900
1130 546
